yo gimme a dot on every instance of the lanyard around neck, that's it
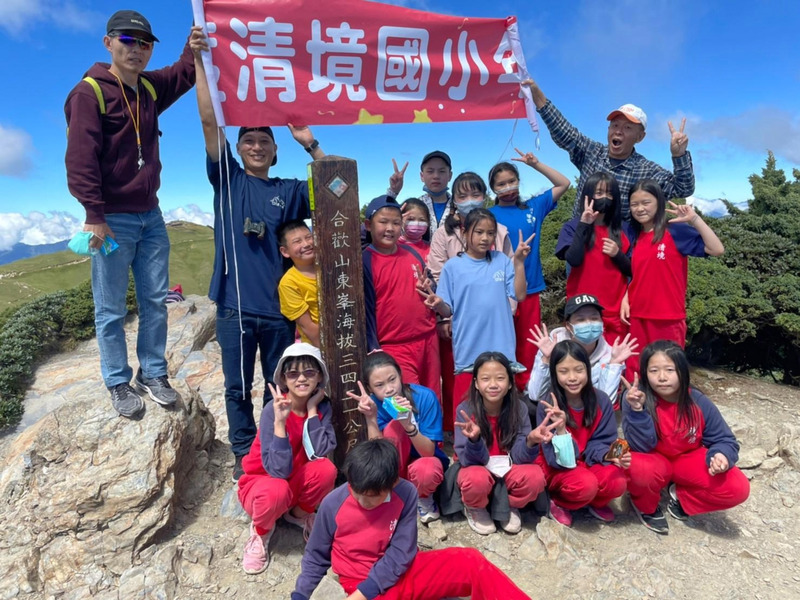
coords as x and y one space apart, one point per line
135 120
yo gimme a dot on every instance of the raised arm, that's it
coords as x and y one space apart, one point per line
559 181
211 132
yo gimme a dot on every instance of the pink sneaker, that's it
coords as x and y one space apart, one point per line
602 513
256 552
560 515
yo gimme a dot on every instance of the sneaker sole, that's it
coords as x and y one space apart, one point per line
131 415
140 387
646 524
594 514
429 518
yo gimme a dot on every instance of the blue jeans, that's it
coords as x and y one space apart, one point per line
271 336
143 247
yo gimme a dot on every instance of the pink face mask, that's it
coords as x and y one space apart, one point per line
414 230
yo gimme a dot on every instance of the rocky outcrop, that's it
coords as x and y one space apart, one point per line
84 491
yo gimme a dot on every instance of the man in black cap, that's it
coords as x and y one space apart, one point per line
113 169
435 172
249 206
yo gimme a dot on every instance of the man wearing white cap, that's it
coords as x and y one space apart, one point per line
618 157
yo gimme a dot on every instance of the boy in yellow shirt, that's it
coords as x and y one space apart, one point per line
298 286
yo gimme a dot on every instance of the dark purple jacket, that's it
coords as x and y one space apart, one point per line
102 161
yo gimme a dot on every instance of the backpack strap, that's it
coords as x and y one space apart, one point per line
97 92
149 87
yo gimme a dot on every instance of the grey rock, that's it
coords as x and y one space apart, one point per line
231 508
789 444
772 464
751 458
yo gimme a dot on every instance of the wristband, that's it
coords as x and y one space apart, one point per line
414 432
314 145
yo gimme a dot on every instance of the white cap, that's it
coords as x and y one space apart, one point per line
301 349
633 113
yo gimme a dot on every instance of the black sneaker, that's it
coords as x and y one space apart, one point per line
157 388
238 471
126 401
674 507
655 521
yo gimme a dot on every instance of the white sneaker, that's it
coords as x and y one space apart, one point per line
305 523
514 523
427 510
479 520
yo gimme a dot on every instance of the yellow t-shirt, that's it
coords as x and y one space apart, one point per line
298 294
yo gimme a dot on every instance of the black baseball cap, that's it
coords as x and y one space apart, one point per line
378 203
267 130
130 20
436 154
575 303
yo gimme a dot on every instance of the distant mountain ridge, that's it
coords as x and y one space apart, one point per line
20 251
54 268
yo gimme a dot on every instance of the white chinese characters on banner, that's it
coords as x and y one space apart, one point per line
403 67
342 67
270 50
459 92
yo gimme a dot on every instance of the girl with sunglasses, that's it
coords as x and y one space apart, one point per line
286 473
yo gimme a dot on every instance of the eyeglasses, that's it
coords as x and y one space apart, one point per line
307 374
129 40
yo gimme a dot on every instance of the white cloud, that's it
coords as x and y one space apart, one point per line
712 208
756 130
36 228
190 213
16 150
19 16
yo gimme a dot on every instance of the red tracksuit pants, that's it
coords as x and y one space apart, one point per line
426 473
524 483
647 331
452 572
528 314
419 361
698 492
585 486
266 499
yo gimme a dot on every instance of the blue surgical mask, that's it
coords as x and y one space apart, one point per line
587 332
430 192
467 207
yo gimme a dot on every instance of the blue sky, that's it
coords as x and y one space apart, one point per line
732 68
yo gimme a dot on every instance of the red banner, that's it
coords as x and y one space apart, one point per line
352 61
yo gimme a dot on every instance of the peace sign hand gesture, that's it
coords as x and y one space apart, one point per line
558 416
469 427
527 157
635 397
366 406
396 179
281 404
684 213
543 433
589 215
679 141
523 248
